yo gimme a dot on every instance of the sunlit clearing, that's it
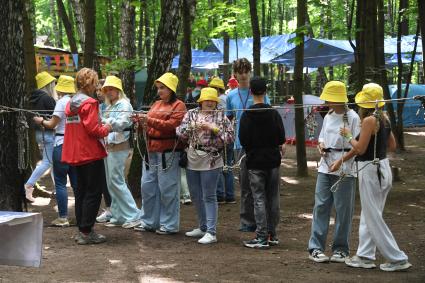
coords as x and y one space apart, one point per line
41 201
421 134
155 279
417 206
290 180
312 164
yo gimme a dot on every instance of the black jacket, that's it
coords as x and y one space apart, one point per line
40 100
261 134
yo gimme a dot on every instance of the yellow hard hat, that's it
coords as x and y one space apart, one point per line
217 82
43 79
208 94
113 81
334 91
169 80
66 84
368 96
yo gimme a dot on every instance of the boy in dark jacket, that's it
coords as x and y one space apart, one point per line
262 136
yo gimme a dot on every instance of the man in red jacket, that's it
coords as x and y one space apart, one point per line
83 148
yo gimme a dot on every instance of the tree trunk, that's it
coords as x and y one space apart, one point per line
77 6
185 60
421 12
281 7
403 9
54 21
128 46
68 27
140 52
263 15
12 83
256 49
165 45
90 33
148 44
302 169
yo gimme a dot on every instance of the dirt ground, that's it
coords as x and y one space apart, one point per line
130 256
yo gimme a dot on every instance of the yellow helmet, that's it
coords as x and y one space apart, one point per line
217 82
368 96
66 84
113 81
208 94
169 80
43 79
334 91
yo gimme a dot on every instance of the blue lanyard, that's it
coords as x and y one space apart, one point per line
246 100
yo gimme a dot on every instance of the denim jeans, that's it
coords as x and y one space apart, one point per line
225 187
184 194
343 201
203 188
265 191
61 171
123 206
46 162
161 192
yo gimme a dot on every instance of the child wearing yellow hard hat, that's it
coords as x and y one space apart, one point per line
337 159
44 100
65 88
206 130
375 182
161 172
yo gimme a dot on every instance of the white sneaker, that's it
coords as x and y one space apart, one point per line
195 233
105 216
339 256
395 266
208 239
359 262
112 224
132 224
318 256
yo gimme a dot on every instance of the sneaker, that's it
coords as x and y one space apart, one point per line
132 224
91 238
105 216
112 224
162 231
317 255
142 228
359 262
230 201
257 243
273 240
28 193
60 222
395 266
186 201
220 200
339 256
195 233
208 239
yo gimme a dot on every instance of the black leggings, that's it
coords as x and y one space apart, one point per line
91 184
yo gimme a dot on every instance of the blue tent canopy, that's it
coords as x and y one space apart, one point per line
320 53
201 60
407 44
410 119
405 59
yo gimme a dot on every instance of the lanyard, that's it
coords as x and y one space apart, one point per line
246 100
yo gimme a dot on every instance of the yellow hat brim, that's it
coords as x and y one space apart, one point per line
117 86
208 99
65 89
365 102
167 84
338 98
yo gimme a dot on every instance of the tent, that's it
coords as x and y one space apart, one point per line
140 82
201 60
320 53
411 117
405 59
407 44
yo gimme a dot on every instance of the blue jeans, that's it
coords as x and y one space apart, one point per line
161 192
123 206
60 172
46 162
343 201
203 187
225 187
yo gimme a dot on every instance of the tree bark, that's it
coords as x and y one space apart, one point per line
148 42
53 16
256 49
404 6
421 12
90 33
12 83
128 46
165 45
185 60
77 6
302 169
68 27
140 46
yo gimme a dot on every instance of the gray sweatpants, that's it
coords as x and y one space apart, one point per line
265 191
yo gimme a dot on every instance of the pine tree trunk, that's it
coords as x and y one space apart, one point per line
165 45
90 33
68 27
421 12
148 42
54 21
281 8
404 6
140 46
12 83
128 46
77 6
256 49
185 60
302 169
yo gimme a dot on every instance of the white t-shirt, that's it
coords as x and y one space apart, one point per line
331 137
60 113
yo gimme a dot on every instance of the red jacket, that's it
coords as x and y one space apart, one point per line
83 131
163 119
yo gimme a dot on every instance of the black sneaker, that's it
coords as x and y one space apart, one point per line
220 200
273 240
339 256
317 255
91 238
230 201
262 244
